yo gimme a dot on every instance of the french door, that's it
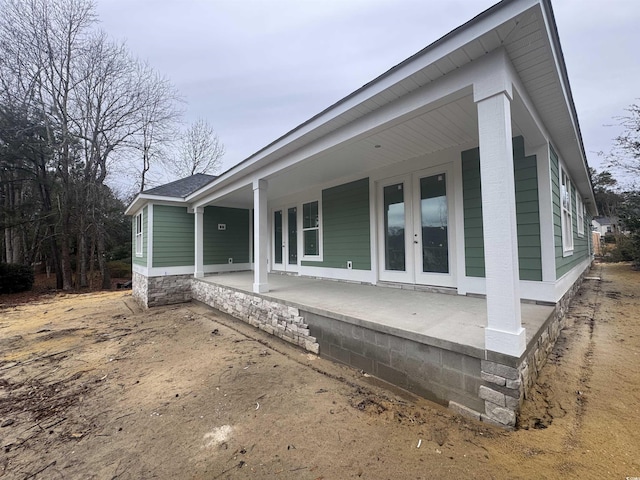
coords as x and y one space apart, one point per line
285 239
414 234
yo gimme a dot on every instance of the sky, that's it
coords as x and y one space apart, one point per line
255 69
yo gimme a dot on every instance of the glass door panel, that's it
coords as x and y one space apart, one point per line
277 237
434 221
292 227
394 227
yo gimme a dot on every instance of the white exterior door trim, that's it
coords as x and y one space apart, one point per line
285 266
413 271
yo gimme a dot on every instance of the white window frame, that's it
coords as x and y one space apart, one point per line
318 228
139 235
566 213
580 214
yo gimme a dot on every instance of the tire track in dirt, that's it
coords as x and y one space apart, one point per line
582 394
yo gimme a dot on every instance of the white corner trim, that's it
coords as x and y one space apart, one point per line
545 216
142 270
150 235
373 229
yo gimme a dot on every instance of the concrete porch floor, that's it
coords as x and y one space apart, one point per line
447 321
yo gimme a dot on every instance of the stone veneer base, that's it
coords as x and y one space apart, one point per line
275 318
158 291
507 380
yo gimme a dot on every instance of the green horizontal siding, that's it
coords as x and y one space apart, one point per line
233 242
527 213
345 226
173 236
472 206
581 244
145 232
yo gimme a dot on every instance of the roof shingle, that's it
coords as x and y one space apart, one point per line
181 188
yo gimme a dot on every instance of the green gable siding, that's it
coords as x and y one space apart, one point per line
345 226
233 242
173 236
581 246
527 213
145 232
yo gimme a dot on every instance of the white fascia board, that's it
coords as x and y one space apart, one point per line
142 199
478 26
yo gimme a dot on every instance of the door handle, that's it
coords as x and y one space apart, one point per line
415 241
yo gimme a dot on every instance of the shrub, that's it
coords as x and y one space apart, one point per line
15 278
120 268
624 250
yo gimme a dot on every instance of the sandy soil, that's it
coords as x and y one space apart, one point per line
93 387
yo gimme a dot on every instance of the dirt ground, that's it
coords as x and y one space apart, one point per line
93 387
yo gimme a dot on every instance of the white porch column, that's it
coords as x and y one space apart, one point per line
260 236
199 239
504 332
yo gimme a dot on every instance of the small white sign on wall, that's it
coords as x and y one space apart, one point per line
222 226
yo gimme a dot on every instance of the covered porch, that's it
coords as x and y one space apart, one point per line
445 320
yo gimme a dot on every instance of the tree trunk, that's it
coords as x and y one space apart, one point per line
102 263
92 257
65 248
82 254
55 258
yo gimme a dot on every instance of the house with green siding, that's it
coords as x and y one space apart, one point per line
459 172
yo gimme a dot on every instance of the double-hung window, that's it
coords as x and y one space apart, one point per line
311 229
139 235
567 215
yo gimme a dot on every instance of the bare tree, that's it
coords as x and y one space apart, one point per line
158 118
95 104
200 151
41 41
625 154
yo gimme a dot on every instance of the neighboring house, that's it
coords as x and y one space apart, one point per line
461 171
605 225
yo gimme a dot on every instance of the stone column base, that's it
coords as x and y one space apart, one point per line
157 291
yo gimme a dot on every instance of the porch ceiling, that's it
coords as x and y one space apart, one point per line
453 123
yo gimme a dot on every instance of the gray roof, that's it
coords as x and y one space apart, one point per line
605 220
183 187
